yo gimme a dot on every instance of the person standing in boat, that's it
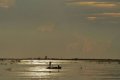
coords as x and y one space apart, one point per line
50 63
58 66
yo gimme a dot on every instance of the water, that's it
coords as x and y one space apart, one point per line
71 70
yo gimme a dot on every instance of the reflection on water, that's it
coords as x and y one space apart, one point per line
71 70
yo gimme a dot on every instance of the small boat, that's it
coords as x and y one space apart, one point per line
58 67
53 67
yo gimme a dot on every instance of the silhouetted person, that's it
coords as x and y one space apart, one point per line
50 64
58 66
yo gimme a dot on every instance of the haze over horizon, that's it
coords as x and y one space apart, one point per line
60 28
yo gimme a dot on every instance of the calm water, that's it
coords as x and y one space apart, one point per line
71 70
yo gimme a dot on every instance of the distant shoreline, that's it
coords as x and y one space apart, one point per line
103 60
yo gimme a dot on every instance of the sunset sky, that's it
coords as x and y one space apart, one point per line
60 28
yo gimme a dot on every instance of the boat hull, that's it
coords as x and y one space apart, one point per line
53 67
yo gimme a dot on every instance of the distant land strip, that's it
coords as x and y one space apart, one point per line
85 59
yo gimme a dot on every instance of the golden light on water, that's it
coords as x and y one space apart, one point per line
84 70
39 72
40 62
34 75
37 69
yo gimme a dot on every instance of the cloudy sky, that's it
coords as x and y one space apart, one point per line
60 28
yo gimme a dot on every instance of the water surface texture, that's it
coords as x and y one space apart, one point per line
71 70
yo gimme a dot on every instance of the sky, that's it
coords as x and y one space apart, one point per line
60 28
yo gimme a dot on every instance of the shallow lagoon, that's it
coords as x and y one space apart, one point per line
71 70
